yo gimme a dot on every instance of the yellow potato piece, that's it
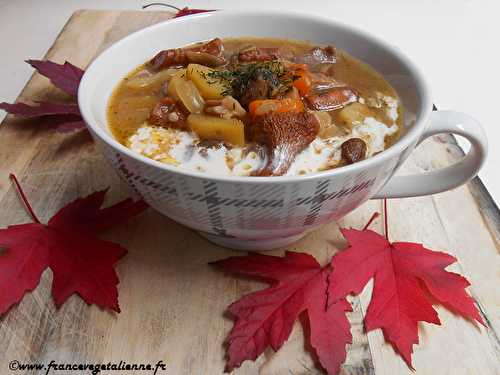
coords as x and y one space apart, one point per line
152 82
190 96
210 127
180 76
327 128
210 88
354 113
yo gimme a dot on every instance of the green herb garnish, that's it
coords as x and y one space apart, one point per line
238 77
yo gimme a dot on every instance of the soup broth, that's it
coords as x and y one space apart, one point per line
255 107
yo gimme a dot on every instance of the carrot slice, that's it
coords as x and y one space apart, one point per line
303 78
275 105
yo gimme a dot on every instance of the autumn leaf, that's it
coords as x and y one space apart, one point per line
40 109
266 317
180 12
80 262
65 76
64 117
188 11
404 275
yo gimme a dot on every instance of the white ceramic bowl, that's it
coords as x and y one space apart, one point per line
258 213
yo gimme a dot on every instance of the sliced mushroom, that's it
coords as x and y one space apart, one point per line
169 57
204 58
318 55
285 135
183 56
258 88
333 99
324 54
353 150
322 82
168 113
253 53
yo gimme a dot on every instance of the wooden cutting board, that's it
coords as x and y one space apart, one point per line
173 303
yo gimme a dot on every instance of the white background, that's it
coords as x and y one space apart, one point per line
455 42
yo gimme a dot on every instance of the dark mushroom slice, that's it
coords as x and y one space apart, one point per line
204 58
258 54
321 82
258 88
213 47
285 135
335 98
209 53
169 57
318 55
168 113
353 150
324 54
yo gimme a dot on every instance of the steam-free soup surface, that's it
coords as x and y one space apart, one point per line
256 107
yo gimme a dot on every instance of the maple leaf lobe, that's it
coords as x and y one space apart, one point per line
81 263
24 264
40 109
188 11
65 76
65 117
404 275
266 317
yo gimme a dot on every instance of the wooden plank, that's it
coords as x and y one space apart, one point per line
173 302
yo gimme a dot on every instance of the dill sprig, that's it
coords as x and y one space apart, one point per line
237 78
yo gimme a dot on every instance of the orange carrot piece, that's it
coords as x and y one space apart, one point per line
303 81
280 105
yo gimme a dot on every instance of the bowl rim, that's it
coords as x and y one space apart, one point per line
410 137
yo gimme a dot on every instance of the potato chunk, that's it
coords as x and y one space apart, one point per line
180 76
327 128
210 88
209 127
153 82
180 88
354 113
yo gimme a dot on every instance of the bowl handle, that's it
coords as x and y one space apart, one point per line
449 177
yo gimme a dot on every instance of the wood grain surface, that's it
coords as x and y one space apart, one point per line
173 303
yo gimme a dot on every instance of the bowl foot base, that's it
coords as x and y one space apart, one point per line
252 245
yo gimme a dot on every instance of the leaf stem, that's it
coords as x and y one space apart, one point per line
386 224
374 216
23 197
161 4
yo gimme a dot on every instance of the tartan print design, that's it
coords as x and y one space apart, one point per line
213 206
235 202
317 201
235 209
212 199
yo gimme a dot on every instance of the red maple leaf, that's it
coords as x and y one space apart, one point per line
180 12
80 262
265 318
65 76
40 109
188 11
406 278
64 117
